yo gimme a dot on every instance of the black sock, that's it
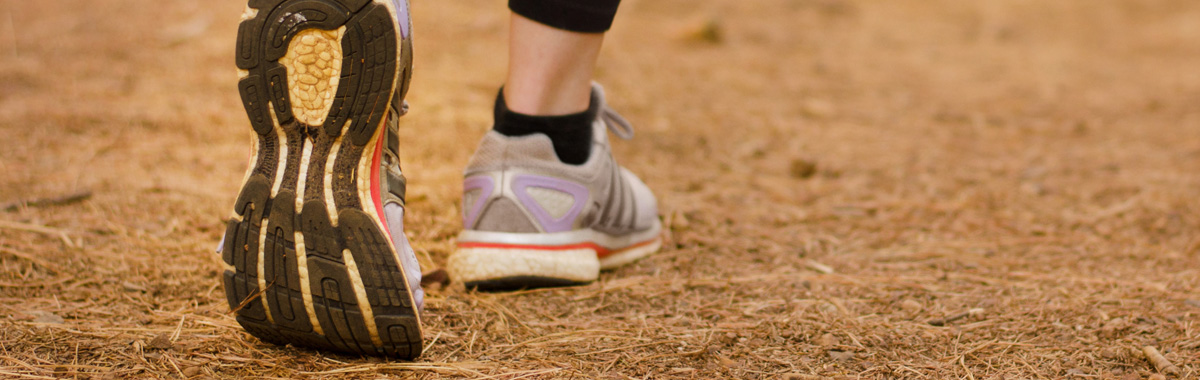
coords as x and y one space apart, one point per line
571 134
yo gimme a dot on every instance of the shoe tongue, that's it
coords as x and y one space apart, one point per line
404 252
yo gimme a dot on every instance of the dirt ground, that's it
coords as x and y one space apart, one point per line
915 189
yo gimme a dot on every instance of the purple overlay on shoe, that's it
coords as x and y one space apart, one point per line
402 16
550 224
486 186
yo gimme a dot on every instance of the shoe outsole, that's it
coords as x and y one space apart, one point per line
506 284
310 261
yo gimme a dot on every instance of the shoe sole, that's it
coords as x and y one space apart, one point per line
494 261
310 261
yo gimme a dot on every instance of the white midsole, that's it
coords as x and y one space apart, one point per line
479 262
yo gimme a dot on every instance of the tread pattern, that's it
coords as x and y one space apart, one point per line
267 214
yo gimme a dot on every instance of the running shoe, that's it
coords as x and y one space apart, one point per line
531 220
315 248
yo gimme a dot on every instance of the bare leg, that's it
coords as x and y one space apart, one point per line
549 70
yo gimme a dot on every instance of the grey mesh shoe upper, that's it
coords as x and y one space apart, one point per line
393 187
404 251
518 185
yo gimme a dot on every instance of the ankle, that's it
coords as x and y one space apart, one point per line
549 100
571 134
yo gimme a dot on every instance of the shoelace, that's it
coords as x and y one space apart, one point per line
616 123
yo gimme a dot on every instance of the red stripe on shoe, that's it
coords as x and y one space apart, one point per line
375 197
601 252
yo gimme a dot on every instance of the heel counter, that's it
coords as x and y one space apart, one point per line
503 215
486 208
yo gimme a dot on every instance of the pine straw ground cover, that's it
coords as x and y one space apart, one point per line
854 189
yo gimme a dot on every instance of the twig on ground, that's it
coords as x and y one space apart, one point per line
818 267
955 317
52 201
37 284
455 368
38 229
1161 363
251 298
963 362
32 258
801 376
24 376
178 329
173 365
523 374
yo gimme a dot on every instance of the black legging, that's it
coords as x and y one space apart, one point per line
584 16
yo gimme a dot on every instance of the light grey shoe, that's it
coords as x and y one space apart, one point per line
531 220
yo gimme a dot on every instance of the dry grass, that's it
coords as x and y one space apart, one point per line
854 189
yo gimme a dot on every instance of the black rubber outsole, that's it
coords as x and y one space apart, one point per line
508 284
269 219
